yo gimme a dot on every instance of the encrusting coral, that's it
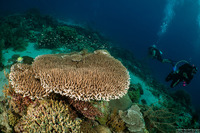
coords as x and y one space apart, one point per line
93 76
48 116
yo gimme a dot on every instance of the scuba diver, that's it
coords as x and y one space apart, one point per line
184 74
155 53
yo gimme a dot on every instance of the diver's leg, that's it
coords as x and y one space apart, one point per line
174 83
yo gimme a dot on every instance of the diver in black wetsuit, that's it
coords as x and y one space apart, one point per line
157 54
184 74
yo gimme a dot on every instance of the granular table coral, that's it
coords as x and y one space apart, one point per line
79 75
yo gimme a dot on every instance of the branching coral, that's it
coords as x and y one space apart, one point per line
92 76
49 116
12 118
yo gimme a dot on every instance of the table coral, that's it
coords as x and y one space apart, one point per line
93 76
22 78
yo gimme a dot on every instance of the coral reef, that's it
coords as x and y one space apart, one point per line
97 83
20 104
115 122
159 119
48 38
134 92
92 76
133 119
13 118
46 32
88 127
69 37
182 97
67 34
48 116
85 108
2 43
184 120
123 103
13 36
102 129
104 107
93 127
185 117
4 120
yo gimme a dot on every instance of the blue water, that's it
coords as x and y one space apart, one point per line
134 24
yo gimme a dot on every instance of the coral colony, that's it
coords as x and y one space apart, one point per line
93 76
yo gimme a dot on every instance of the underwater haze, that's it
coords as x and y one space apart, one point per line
172 25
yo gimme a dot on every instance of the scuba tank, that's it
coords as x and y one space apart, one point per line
175 66
176 71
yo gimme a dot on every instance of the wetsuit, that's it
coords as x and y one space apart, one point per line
157 54
184 73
